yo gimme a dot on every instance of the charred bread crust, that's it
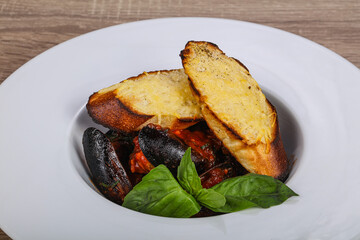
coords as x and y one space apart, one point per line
267 157
238 61
187 51
208 49
184 53
109 111
255 158
198 97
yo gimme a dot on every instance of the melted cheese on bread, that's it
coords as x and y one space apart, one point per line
227 88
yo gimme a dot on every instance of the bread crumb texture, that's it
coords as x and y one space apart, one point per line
158 93
230 92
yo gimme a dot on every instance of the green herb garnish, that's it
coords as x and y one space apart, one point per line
104 185
109 186
204 146
251 190
160 194
191 182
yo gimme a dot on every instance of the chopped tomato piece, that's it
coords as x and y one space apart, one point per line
138 162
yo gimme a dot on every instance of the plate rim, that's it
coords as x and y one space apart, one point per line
13 75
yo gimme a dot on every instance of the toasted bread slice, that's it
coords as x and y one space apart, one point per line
256 158
235 108
161 97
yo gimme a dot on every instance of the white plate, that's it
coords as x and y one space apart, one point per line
44 187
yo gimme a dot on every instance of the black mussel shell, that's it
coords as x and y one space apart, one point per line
163 147
108 174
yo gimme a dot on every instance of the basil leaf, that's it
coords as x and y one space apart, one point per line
187 175
160 194
252 190
210 199
191 182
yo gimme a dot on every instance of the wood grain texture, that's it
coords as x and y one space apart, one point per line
29 27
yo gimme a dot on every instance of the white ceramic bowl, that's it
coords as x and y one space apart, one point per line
45 190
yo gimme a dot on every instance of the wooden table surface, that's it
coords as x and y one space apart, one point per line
29 27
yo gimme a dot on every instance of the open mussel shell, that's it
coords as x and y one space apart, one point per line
163 147
108 174
218 174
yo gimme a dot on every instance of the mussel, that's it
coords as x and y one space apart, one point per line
108 173
118 161
220 172
162 146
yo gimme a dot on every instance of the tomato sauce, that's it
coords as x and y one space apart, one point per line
138 162
198 141
201 142
214 177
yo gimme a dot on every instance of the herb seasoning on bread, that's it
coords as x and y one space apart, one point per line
160 97
235 108
190 142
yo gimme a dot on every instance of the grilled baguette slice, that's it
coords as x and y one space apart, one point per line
161 97
256 158
235 108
